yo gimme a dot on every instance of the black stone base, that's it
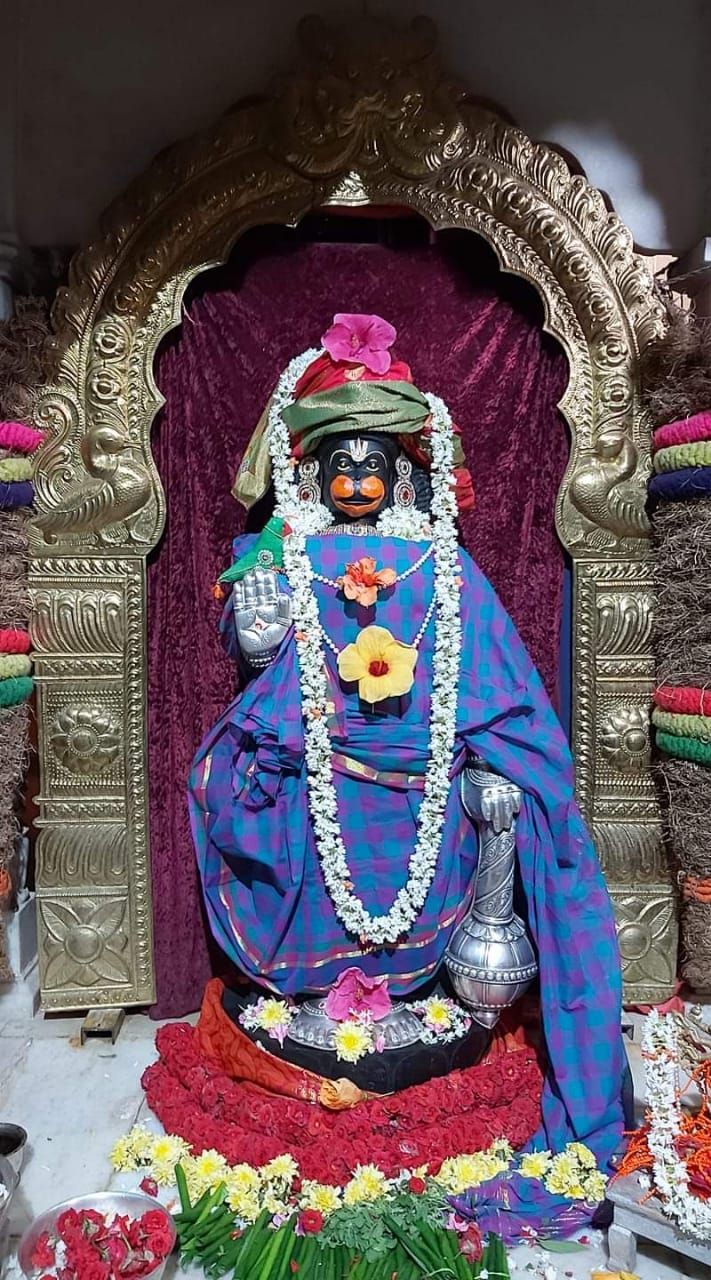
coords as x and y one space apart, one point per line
377 1072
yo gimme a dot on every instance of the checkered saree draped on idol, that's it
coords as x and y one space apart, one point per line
260 845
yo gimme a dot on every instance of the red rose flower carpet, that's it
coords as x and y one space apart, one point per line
214 1088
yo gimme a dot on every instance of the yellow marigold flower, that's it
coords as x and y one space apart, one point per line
352 1041
283 1168
122 1157
169 1149
244 1203
535 1164
557 1183
459 1173
595 1186
273 1202
582 1154
501 1147
382 666
211 1165
163 1171
368 1183
243 1177
141 1141
317 1195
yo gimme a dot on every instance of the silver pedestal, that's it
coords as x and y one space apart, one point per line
313 1027
490 958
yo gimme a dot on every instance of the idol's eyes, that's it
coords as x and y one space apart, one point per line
343 462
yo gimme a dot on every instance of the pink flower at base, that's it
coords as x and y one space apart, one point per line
360 339
354 994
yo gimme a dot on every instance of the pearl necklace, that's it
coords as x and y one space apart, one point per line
333 582
414 644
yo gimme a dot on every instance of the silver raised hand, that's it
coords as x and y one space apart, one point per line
262 615
491 799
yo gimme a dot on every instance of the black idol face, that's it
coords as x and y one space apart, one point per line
357 474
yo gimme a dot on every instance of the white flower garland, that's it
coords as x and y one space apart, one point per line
389 927
671 1179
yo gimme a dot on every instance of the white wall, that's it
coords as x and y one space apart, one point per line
91 91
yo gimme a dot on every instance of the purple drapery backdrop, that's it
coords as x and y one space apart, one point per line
472 336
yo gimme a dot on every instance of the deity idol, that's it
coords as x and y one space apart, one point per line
392 772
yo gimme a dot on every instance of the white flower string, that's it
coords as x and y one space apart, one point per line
671 1178
323 804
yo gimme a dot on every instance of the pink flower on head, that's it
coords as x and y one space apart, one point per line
360 339
354 993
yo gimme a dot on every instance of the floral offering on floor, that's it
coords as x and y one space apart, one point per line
88 1245
671 1152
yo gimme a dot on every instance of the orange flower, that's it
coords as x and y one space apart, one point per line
362 581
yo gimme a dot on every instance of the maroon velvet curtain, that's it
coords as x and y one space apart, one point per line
472 335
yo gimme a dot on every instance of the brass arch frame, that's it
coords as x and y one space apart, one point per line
367 117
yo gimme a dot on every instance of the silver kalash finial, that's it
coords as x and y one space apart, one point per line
490 958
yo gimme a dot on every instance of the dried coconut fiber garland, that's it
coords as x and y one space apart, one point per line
22 346
677 387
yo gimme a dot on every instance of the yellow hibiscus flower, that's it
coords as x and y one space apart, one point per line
382 666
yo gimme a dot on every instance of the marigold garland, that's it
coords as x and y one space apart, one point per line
278 1186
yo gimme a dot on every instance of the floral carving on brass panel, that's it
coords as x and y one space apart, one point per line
84 942
85 737
367 117
647 934
624 739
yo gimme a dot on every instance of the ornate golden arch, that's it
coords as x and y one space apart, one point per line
369 117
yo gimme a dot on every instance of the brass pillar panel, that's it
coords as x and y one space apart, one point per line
647 930
93 886
368 118
614 675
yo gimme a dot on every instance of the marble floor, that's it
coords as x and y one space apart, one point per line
76 1101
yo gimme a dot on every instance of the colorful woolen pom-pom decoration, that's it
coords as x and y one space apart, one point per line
678 386
26 361
17 444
